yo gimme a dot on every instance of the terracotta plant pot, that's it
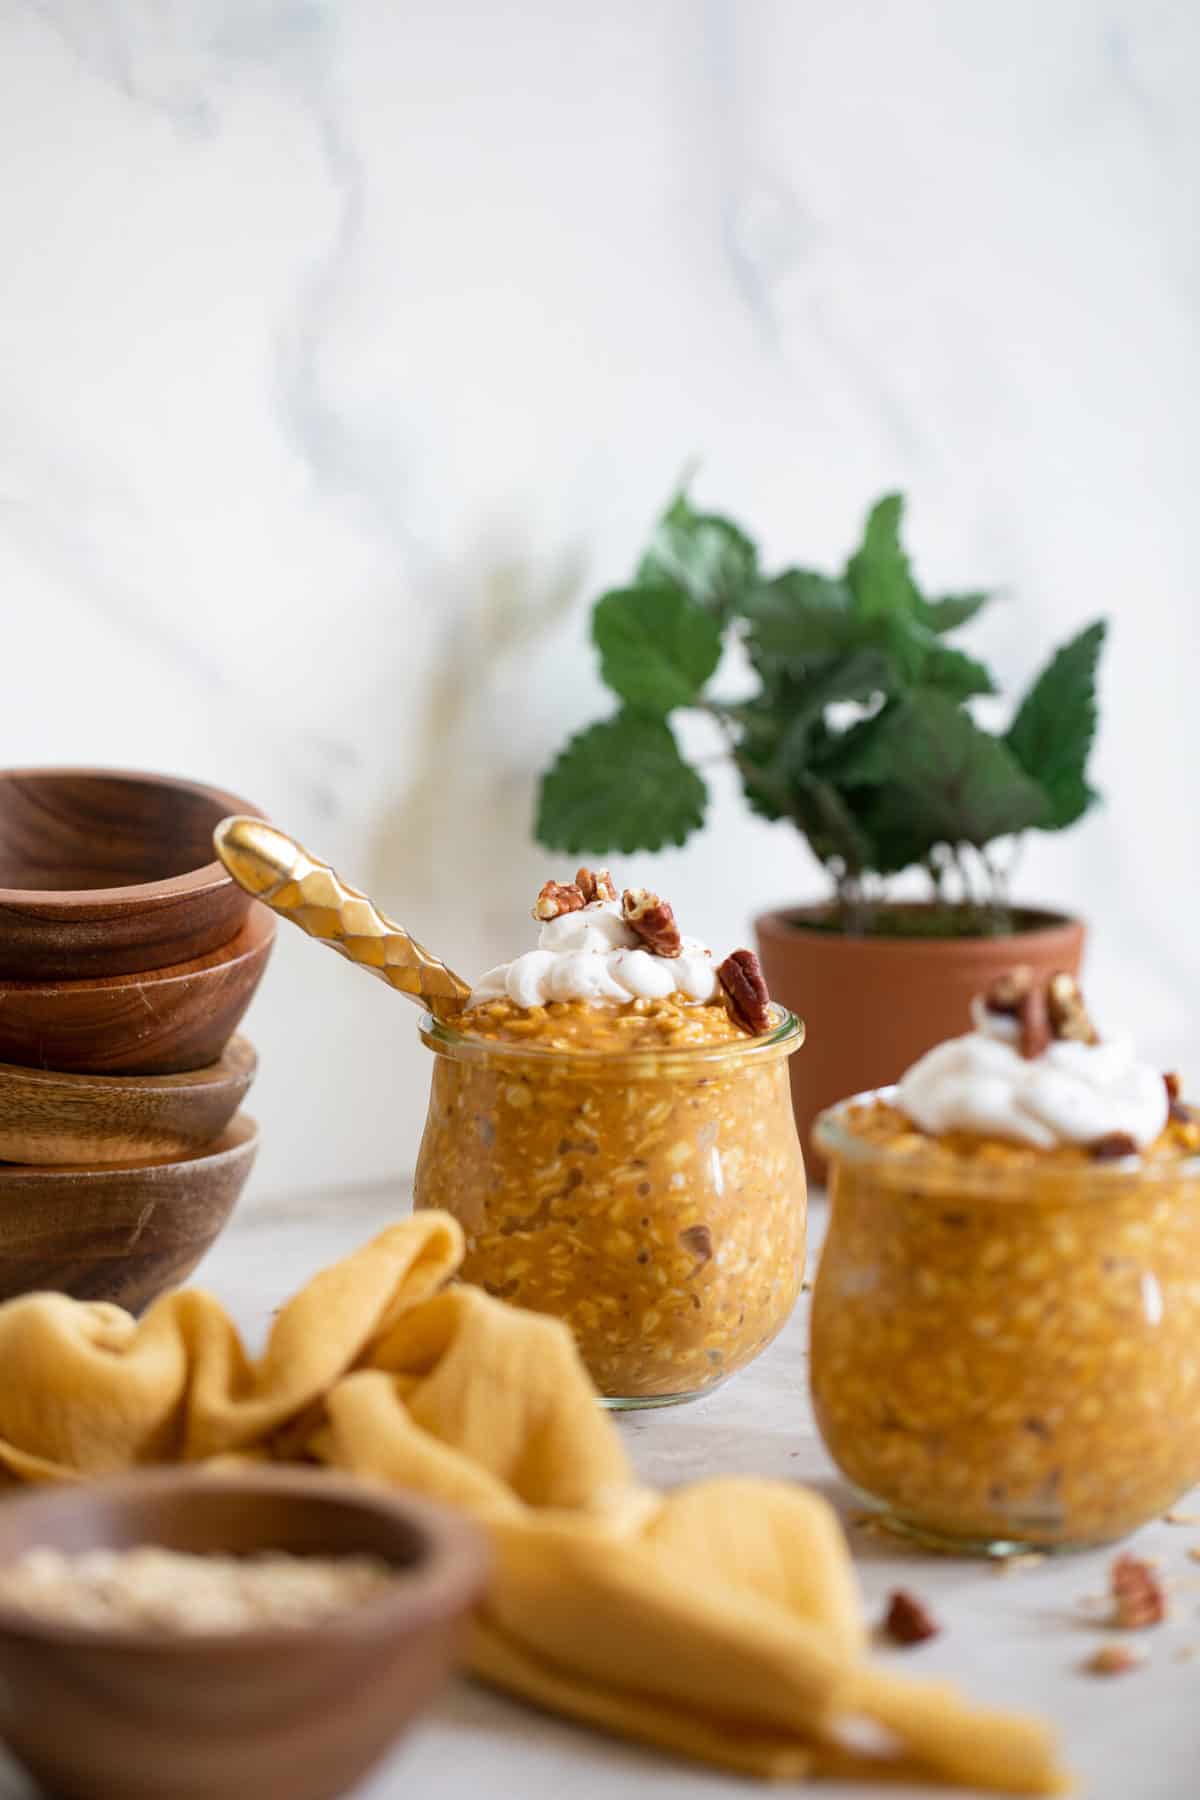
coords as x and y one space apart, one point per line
872 1005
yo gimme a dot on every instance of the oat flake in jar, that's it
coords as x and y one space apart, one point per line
610 1120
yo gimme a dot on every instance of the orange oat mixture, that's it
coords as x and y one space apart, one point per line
879 1122
1005 1339
576 1025
632 1169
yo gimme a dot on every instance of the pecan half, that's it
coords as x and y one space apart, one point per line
746 990
556 898
1069 1018
1173 1085
908 1620
651 917
1138 1597
595 884
1113 1145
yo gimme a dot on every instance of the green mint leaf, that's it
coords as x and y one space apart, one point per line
922 660
778 728
703 554
657 647
620 785
1052 733
796 617
878 573
939 777
950 611
954 673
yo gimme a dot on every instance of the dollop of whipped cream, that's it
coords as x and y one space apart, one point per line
594 956
1072 1093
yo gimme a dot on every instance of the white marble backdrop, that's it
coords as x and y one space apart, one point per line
347 348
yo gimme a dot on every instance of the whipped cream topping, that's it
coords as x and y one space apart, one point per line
1072 1093
594 956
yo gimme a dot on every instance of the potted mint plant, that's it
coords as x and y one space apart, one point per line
856 729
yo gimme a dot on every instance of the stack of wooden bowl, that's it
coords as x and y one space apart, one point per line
127 958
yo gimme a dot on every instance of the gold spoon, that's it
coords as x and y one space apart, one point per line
280 872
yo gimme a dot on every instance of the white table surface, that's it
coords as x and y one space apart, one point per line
1010 1639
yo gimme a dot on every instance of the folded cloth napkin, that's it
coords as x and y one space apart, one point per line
721 1620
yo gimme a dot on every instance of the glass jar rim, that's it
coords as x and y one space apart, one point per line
969 1175
784 1038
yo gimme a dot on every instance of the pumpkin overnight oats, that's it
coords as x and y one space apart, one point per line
610 1121
1006 1319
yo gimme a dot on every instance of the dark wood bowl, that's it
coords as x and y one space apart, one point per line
284 1714
160 1022
124 1233
47 1117
109 872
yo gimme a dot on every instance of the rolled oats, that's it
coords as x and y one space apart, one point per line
150 1588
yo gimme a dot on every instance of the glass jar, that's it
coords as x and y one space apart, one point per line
653 1199
1006 1356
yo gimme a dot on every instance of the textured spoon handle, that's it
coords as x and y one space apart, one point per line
279 872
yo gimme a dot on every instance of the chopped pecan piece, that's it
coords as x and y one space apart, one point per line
1177 1108
595 884
1112 1659
1111 1146
746 989
1017 995
651 917
697 1241
1138 1597
908 1620
1034 1021
1009 990
1068 1015
556 898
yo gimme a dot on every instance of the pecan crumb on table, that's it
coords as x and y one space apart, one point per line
908 1620
1113 1659
1138 1595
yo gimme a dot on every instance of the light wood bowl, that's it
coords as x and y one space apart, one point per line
124 1233
157 1023
282 1714
111 871
47 1117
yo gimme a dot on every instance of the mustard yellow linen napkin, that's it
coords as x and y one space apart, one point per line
721 1620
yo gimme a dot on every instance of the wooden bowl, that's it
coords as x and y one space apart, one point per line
108 872
124 1233
282 1714
47 1117
157 1023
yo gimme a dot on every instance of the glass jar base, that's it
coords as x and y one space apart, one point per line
942 1543
641 1402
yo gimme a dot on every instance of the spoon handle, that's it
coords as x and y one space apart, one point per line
280 872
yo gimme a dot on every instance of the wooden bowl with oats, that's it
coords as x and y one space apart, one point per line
279 1712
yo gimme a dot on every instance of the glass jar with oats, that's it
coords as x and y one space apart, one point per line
628 1163
1005 1349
